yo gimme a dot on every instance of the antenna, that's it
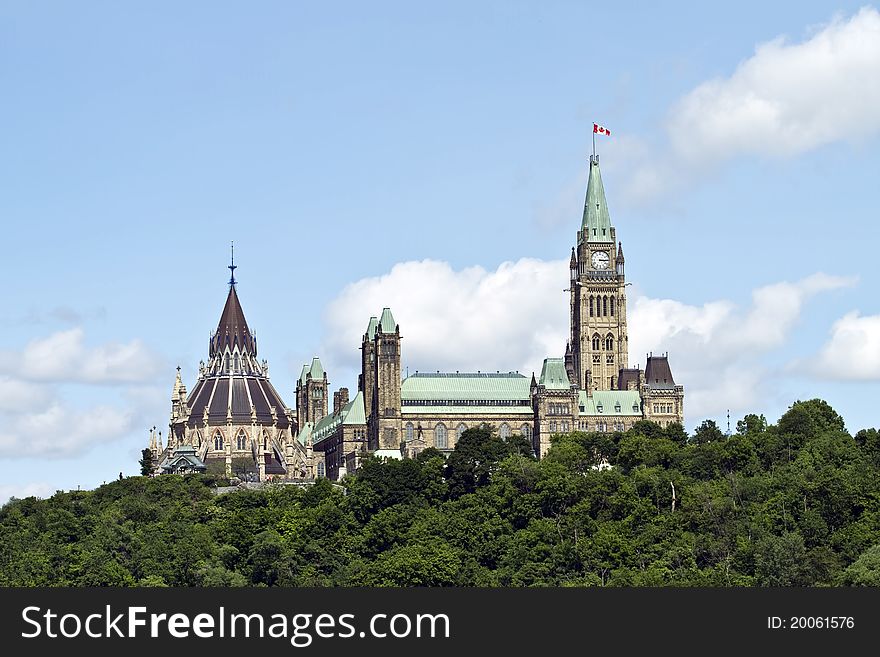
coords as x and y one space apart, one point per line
232 266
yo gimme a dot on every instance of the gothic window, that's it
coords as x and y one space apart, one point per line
612 306
601 427
609 359
525 431
609 343
553 427
596 359
241 440
460 429
564 426
591 305
236 366
218 441
504 431
409 431
265 440
440 441
321 470
605 306
596 342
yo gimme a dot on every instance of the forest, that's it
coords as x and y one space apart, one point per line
791 504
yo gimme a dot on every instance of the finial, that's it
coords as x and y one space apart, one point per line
232 266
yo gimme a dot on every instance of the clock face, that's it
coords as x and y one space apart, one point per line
600 260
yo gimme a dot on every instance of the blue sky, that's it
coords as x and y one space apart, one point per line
432 158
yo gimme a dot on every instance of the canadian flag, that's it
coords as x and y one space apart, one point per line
599 130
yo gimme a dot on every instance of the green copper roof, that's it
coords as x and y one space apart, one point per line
351 413
371 328
525 411
553 375
317 371
386 322
305 433
612 402
302 377
465 386
596 226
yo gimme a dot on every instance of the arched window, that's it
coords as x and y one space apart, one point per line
440 441
609 343
596 342
525 431
236 365
591 305
605 306
265 440
321 470
218 441
409 431
241 440
612 306
504 431
460 429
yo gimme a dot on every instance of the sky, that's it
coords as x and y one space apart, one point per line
430 157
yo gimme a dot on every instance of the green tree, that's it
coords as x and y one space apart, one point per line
146 461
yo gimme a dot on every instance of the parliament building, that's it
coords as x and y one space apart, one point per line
235 422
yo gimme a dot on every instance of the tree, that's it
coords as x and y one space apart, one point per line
475 457
865 571
751 424
146 462
707 432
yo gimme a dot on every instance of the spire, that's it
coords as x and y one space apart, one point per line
232 266
620 252
573 262
232 329
178 383
596 224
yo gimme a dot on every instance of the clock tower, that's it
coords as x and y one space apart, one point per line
598 343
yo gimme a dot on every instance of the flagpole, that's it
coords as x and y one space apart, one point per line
594 142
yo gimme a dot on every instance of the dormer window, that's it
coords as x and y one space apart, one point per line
599 408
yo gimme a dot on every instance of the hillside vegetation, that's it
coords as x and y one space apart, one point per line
796 503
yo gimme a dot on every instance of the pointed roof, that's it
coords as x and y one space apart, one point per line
596 225
554 375
302 376
371 328
386 321
232 329
316 370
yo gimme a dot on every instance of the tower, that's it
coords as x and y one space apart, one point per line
383 377
311 393
598 343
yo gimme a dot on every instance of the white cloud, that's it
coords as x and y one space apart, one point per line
58 431
788 98
35 489
507 319
64 356
514 317
719 351
785 100
853 351
18 395
35 420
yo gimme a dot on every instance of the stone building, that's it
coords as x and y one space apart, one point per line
234 421
590 388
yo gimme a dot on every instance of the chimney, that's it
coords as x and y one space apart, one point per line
340 399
